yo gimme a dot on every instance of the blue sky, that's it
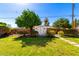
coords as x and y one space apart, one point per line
9 11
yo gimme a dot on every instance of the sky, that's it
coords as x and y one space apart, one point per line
9 11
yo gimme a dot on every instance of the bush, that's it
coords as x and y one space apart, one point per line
13 31
22 31
61 33
71 32
4 30
70 35
51 32
34 33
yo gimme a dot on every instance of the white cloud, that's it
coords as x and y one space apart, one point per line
9 21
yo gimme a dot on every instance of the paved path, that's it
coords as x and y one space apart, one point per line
68 41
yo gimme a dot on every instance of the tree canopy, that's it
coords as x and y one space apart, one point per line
62 23
28 19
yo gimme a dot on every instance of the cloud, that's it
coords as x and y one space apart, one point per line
9 21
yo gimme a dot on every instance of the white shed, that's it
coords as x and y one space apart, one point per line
41 30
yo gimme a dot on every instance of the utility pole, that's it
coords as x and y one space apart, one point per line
73 19
72 11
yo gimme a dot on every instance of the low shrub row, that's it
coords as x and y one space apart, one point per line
5 30
62 32
50 32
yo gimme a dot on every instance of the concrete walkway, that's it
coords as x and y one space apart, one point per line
68 41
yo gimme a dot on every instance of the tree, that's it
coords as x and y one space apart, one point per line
46 23
62 23
28 19
3 24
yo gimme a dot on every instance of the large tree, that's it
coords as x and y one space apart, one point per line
28 19
62 23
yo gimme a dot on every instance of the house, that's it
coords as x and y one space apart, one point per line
42 30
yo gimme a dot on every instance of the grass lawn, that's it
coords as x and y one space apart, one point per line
39 46
73 39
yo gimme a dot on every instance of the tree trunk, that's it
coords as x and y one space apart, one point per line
31 28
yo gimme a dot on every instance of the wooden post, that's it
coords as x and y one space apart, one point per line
73 20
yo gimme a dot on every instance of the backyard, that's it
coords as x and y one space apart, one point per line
28 34
36 46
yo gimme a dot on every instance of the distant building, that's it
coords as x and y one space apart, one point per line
42 29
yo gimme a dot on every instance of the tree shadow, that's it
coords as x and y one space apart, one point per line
38 41
73 36
4 35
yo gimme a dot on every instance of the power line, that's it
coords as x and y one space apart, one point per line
57 16
43 16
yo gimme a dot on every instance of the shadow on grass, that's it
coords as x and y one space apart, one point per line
71 36
4 35
38 41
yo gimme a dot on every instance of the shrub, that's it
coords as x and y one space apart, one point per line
61 33
70 35
34 33
22 32
71 32
51 32
4 30
13 31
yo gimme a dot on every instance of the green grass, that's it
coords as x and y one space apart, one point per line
39 46
73 39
